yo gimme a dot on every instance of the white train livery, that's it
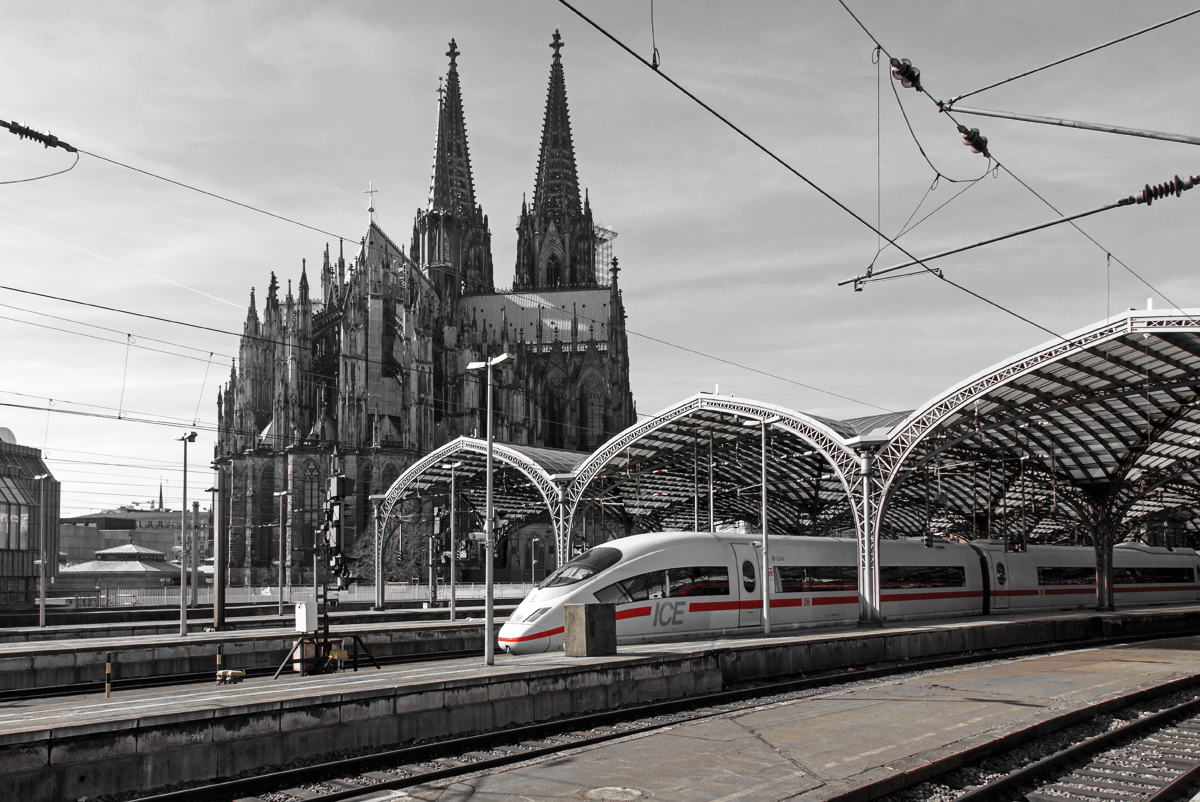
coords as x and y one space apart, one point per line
677 585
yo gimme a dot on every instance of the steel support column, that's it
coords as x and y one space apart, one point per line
870 609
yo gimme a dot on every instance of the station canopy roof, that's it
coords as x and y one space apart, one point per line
1108 415
526 479
1105 417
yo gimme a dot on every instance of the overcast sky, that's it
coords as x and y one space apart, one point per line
294 107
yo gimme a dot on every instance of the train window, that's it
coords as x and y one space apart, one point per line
646 586
1000 575
613 594
748 576
815 578
1163 575
585 566
894 577
634 589
1063 575
704 581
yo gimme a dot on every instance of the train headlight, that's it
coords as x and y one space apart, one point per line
531 617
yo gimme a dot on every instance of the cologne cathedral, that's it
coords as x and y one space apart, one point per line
374 368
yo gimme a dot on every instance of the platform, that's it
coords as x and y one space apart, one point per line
69 747
48 663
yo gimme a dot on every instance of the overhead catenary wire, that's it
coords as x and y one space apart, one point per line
181 421
133 344
869 276
47 175
108 329
212 194
1076 55
943 107
772 155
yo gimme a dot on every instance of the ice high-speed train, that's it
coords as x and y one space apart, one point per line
676 585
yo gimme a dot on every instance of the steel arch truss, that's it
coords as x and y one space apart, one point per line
812 469
431 470
1098 418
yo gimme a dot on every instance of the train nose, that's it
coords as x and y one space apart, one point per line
523 638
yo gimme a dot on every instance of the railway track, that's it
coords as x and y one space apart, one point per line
433 763
1154 758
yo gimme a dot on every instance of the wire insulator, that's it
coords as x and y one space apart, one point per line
1176 186
48 140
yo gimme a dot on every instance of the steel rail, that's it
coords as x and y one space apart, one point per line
1083 749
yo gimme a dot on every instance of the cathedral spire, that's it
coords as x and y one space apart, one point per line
557 190
556 237
452 186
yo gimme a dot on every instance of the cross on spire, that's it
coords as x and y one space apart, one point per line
371 191
453 54
556 45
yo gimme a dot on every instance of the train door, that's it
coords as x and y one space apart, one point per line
749 589
999 580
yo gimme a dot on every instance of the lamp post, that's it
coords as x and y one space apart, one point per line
185 439
41 480
282 496
767 577
489 635
380 603
453 541
195 555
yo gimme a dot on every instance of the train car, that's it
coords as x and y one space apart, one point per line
676 585
1064 577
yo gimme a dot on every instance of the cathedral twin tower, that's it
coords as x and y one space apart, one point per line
376 366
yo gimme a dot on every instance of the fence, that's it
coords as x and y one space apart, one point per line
169 597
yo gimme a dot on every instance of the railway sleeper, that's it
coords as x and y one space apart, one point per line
1088 775
1126 784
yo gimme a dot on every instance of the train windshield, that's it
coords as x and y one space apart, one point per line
585 566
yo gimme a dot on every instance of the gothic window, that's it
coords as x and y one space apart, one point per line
555 420
553 271
311 514
265 518
587 418
390 475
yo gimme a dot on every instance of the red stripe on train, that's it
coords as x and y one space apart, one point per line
548 633
636 612
704 607
1153 589
954 594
